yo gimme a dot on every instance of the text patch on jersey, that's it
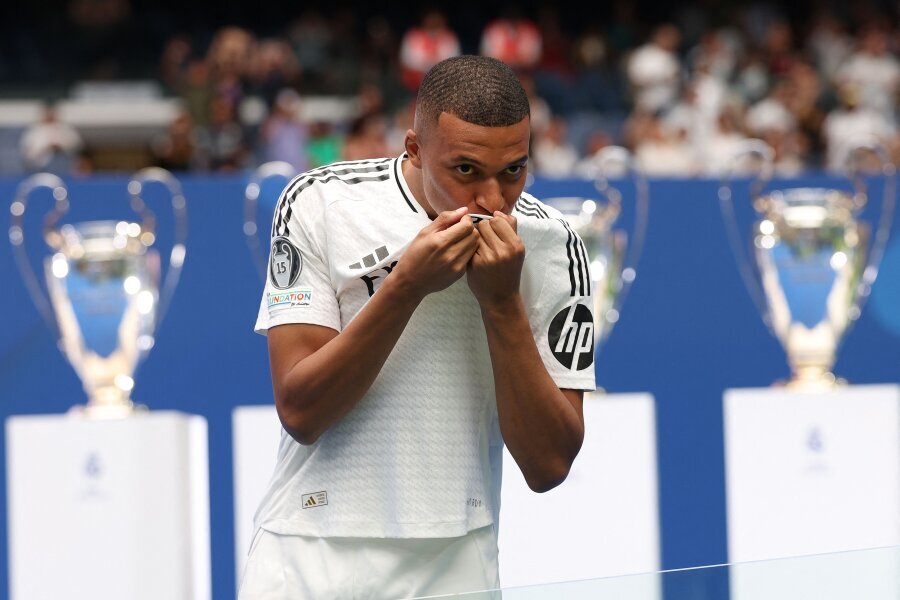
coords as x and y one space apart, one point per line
288 299
284 263
315 499
571 337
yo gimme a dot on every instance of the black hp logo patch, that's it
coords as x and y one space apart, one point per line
571 337
284 263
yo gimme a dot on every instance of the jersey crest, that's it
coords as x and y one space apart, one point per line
285 263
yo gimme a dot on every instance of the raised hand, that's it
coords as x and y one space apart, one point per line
496 266
438 255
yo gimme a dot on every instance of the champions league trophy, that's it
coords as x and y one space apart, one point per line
102 280
267 174
611 255
812 258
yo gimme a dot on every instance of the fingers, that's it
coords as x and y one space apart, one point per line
459 230
505 224
499 232
447 219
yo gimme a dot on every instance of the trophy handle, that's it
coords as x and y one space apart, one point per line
17 235
860 198
179 208
765 153
610 156
275 168
603 215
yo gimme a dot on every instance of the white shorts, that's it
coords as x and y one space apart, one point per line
292 567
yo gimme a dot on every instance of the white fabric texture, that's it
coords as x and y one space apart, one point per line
289 567
417 457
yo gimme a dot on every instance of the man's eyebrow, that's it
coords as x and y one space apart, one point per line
474 161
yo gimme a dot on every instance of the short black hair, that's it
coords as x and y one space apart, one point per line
477 89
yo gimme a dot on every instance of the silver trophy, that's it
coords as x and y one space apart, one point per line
260 182
103 297
812 257
612 252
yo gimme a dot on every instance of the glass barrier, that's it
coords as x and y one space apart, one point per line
871 574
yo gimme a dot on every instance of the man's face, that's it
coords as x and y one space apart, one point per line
481 168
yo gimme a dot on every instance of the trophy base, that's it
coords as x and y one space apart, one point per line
823 382
108 411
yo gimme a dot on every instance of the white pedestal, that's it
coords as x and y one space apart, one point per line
603 520
256 432
108 509
809 473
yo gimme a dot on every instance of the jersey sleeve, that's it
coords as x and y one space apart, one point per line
298 286
560 306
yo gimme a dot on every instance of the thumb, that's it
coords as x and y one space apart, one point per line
448 218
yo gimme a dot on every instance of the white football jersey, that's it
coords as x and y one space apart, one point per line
420 454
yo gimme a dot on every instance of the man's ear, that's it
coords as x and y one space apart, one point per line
413 149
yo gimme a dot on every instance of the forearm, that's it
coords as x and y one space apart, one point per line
541 427
320 389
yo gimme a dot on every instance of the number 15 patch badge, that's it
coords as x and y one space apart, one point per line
285 263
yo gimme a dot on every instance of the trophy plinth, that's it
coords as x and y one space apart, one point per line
102 288
812 260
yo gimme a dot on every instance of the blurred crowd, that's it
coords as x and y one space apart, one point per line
682 94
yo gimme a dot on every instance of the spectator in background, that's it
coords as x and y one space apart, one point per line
424 46
514 39
324 145
850 124
663 150
51 145
176 150
553 155
367 138
591 166
272 68
282 135
310 37
724 142
873 71
222 144
829 44
654 70
228 59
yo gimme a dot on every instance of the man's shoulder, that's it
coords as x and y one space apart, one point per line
540 219
353 175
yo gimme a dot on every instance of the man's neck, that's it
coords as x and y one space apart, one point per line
413 177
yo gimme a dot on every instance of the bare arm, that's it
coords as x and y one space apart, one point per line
542 425
310 363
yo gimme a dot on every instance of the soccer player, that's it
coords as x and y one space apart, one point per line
408 344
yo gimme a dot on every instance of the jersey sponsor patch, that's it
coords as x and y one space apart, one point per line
571 337
315 499
276 301
285 263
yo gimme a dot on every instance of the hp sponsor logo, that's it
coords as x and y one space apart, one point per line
571 337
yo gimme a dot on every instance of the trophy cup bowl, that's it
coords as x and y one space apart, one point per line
103 286
611 254
812 260
264 175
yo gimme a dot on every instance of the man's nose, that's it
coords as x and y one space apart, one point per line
489 197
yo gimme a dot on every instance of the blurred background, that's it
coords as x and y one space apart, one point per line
95 89
111 85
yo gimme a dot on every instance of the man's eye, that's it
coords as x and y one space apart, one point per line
465 169
514 170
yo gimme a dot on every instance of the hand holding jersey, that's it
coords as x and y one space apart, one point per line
438 255
496 267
